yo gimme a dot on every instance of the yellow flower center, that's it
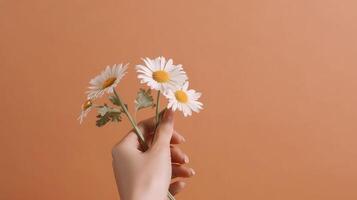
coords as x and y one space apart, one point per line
109 82
86 104
181 96
161 76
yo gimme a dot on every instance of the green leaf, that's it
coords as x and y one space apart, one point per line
102 120
144 99
114 100
107 114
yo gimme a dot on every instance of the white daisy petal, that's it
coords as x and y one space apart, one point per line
162 63
187 110
184 100
161 74
174 106
185 86
106 81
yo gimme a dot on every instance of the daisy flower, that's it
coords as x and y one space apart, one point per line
160 74
184 100
86 108
106 81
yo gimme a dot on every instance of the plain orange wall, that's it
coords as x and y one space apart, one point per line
278 80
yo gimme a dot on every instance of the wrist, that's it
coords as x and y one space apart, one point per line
147 192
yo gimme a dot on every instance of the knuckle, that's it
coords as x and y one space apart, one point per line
159 147
116 150
166 128
141 124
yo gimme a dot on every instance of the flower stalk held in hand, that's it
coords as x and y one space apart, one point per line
160 75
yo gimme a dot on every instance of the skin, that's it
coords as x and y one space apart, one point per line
147 175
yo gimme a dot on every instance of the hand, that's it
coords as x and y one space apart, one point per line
147 175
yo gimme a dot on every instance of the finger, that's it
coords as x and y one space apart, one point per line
176 187
178 156
131 140
182 171
147 125
165 129
128 144
177 138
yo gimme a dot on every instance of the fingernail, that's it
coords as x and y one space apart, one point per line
183 139
186 159
162 113
168 115
183 184
193 172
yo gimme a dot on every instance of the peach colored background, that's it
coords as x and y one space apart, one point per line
278 78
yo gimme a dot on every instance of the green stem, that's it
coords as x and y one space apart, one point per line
169 195
132 121
137 130
157 108
157 114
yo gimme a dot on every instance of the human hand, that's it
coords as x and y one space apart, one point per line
147 175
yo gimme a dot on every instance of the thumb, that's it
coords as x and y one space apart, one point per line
165 129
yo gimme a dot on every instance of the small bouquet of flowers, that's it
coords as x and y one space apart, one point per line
158 74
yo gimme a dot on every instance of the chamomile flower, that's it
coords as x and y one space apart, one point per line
106 81
184 100
160 74
86 108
